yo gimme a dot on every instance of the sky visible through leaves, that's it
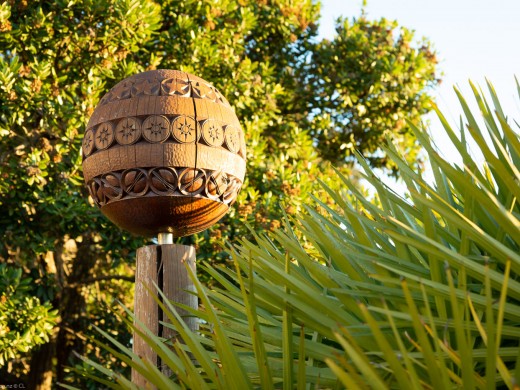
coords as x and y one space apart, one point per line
475 39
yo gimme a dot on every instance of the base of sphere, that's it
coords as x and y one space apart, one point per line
178 215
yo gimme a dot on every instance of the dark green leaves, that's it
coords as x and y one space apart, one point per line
24 321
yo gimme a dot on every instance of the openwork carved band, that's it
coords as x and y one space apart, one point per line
164 181
161 128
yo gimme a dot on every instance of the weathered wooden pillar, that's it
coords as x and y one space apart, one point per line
165 266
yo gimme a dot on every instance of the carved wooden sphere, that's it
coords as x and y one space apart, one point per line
164 153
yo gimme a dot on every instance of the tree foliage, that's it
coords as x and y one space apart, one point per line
365 84
24 321
58 58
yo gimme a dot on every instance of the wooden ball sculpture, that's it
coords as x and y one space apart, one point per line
164 153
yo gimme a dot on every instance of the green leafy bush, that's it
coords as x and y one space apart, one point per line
24 322
420 291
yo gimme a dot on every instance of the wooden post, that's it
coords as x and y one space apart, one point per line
164 266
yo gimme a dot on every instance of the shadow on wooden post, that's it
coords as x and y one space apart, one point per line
162 265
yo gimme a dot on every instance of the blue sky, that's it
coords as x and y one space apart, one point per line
474 39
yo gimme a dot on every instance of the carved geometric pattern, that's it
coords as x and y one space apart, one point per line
184 129
200 90
217 185
104 136
125 92
212 132
111 187
164 87
134 181
164 181
233 185
88 142
156 128
176 87
145 87
128 131
191 181
233 138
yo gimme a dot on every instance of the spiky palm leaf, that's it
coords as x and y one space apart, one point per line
411 292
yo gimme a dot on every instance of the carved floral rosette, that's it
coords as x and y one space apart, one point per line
164 152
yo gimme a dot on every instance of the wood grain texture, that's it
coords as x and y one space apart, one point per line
177 284
145 307
164 266
169 155
180 215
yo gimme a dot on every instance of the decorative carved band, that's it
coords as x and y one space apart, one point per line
164 86
164 181
160 128
162 105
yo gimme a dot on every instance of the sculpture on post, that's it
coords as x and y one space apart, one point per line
163 155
